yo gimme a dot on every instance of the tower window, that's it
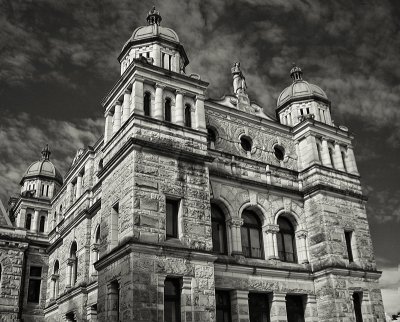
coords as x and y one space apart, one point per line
251 235
172 209
259 307
330 150
146 103
319 152
286 241
211 138
348 236
114 301
167 110
357 299
114 224
279 152
294 308
223 306
218 230
343 154
42 223
35 279
172 300
28 221
188 115
73 269
246 143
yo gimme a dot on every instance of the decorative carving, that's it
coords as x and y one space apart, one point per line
239 81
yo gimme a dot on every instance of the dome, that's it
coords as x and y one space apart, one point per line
299 90
43 168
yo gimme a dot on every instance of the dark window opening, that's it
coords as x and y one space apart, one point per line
286 241
74 268
218 230
357 299
223 306
146 103
172 210
97 236
188 115
259 310
279 152
251 235
42 224
246 143
331 157
28 221
114 300
348 236
344 160
211 138
294 308
319 152
35 275
167 110
172 300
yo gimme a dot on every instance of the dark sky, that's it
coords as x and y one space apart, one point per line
58 59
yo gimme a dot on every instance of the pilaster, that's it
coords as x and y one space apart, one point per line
240 306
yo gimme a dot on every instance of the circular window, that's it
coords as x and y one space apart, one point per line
279 152
246 143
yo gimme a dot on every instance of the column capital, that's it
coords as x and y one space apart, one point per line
270 228
70 261
160 85
138 79
118 103
127 91
95 247
179 92
55 277
200 97
235 222
278 297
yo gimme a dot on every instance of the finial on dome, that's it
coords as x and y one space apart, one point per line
296 73
46 152
154 17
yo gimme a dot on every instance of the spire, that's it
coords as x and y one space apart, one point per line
153 17
46 152
296 73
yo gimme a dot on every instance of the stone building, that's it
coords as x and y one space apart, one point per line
194 209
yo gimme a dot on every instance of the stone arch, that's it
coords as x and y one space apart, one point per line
257 209
291 216
223 205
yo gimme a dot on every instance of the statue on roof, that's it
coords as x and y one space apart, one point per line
239 81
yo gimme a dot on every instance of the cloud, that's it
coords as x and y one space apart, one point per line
23 136
390 286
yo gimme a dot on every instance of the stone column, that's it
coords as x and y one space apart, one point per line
126 107
278 307
95 256
270 241
235 224
326 160
352 166
186 299
69 276
108 127
159 102
337 157
137 96
310 310
78 186
117 117
301 245
35 220
240 305
21 218
200 121
179 110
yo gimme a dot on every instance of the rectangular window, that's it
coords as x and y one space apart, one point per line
223 301
357 299
294 308
114 224
259 307
172 210
172 300
348 236
35 275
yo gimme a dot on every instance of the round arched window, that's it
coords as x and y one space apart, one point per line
251 235
286 241
246 143
279 152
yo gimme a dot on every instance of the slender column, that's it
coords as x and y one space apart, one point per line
78 186
35 221
158 102
95 257
240 305
270 241
338 157
301 244
108 127
69 272
21 218
53 289
117 117
137 96
326 160
352 166
199 114
179 112
126 107
235 224
310 310
278 307
186 299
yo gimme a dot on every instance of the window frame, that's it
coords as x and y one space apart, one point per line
348 236
175 203
175 299
282 233
147 107
225 308
248 227
34 285
188 115
168 109
221 223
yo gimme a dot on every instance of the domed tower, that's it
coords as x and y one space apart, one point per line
39 184
302 100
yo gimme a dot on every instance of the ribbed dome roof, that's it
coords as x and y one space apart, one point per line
43 168
299 89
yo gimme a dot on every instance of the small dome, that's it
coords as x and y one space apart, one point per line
300 89
43 168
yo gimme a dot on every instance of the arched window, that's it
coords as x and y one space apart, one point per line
97 236
167 110
100 164
343 154
319 152
218 230
147 103
211 138
286 241
42 223
73 264
251 235
55 279
28 221
1 271
188 115
331 157
60 210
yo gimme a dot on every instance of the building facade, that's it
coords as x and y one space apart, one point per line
194 209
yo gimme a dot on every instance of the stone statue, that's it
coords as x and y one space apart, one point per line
239 81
